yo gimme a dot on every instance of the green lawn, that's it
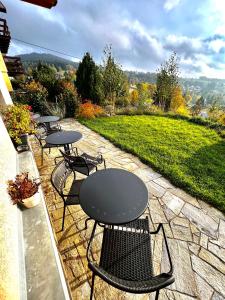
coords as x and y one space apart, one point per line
190 155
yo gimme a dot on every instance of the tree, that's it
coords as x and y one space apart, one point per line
134 96
46 76
166 82
199 104
178 103
114 80
88 80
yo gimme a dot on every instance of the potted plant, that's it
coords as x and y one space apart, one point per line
17 119
23 189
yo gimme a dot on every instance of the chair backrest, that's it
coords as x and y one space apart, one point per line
40 133
74 161
59 176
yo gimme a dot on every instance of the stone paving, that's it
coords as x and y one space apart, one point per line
195 230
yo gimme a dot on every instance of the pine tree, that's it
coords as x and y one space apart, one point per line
88 80
167 81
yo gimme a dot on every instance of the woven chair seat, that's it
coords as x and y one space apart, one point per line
126 259
126 255
91 159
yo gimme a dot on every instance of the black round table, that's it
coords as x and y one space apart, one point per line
47 120
113 196
64 138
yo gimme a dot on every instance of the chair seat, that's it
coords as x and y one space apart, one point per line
83 170
126 254
91 159
72 197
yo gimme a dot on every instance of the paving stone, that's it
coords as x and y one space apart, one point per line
211 211
213 277
204 240
184 279
218 251
174 203
155 189
196 238
164 183
221 237
205 291
173 295
168 212
194 248
200 219
157 244
217 296
212 260
194 228
181 229
168 231
146 174
156 211
184 196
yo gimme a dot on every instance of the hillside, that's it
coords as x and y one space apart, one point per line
211 89
34 58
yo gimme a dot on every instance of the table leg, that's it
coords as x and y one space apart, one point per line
67 148
47 124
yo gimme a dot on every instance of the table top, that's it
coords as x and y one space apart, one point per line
47 119
63 137
113 196
35 116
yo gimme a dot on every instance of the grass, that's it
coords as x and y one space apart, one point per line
189 155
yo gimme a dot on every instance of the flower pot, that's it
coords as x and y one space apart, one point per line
31 201
24 146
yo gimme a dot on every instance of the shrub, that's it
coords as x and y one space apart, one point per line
22 188
17 120
36 96
88 110
70 101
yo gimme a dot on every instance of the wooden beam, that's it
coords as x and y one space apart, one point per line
44 3
2 8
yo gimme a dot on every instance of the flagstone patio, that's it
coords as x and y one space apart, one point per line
195 230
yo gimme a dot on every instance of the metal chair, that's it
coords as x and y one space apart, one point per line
84 163
41 134
52 128
59 178
126 259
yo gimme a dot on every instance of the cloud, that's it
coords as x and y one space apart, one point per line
170 4
183 45
142 36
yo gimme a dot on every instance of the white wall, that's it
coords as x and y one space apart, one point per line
9 267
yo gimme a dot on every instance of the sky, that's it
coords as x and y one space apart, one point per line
143 33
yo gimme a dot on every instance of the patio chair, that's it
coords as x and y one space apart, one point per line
41 134
126 259
59 177
53 127
84 163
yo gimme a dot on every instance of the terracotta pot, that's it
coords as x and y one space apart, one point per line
31 201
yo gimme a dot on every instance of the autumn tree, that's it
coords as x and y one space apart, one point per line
178 103
88 80
166 82
115 84
134 96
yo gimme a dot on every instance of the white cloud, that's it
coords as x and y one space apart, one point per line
171 4
217 45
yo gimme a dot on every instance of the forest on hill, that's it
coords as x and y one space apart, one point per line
211 89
